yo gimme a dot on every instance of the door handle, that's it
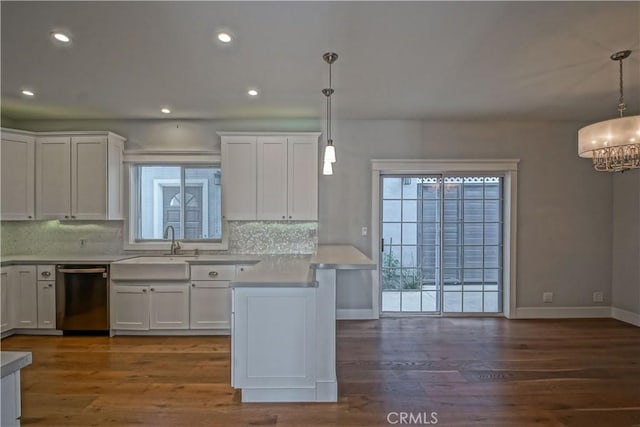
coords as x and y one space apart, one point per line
382 245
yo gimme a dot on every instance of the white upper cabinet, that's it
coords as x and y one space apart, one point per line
17 176
239 177
53 177
270 177
302 200
79 176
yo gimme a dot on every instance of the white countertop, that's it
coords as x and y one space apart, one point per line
341 257
61 259
278 270
298 271
82 259
13 361
270 270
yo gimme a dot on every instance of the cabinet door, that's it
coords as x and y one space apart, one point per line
26 294
169 306
302 179
239 177
115 191
89 177
46 304
272 178
130 307
17 177
6 294
210 304
53 177
274 337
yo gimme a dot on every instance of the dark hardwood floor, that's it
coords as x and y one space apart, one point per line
471 372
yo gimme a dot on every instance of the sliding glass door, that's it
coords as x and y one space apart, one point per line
441 244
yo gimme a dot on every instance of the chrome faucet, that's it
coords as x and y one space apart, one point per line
174 245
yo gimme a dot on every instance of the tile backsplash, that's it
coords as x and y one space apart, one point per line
272 237
64 238
105 237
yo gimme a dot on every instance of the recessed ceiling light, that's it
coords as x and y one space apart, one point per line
27 92
61 37
166 111
224 37
252 92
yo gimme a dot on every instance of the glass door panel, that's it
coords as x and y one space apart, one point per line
410 259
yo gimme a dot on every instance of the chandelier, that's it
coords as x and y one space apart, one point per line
329 156
613 144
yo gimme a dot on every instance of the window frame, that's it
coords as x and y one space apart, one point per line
171 158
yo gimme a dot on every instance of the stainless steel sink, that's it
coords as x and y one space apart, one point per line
169 267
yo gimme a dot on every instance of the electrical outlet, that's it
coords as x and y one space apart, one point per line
364 231
547 297
598 297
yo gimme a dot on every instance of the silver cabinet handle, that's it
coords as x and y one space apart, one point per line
82 270
66 216
241 268
30 217
152 289
144 290
213 273
193 285
73 216
46 273
51 285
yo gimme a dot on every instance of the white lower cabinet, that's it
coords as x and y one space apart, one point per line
28 303
274 343
6 305
46 295
46 304
169 307
202 305
25 291
130 307
211 296
149 307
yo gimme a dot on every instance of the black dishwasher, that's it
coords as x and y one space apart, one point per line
82 298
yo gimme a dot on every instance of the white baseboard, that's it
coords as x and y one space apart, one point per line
355 314
625 316
562 312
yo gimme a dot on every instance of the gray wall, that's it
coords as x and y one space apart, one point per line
626 241
564 207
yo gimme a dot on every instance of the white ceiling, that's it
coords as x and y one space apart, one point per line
410 60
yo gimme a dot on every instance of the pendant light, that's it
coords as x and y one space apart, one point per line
614 145
329 156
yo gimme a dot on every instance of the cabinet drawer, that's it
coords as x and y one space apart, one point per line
244 267
46 272
213 272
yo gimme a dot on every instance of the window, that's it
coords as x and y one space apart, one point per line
187 197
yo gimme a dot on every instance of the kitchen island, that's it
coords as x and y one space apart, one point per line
12 362
284 326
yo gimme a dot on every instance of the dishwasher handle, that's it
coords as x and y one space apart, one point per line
82 270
